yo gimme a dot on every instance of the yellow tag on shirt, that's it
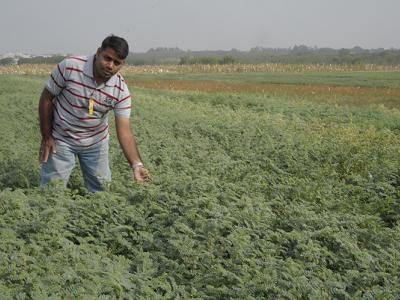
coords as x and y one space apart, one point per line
91 104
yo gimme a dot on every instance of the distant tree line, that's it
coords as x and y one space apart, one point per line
53 59
207 60
296 55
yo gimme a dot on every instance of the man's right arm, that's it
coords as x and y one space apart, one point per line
46 125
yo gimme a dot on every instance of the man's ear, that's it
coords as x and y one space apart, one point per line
98 52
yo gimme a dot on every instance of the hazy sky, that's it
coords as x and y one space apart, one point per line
79 26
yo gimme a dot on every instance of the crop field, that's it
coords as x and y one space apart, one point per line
279 183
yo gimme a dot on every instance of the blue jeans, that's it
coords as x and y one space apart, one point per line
93 161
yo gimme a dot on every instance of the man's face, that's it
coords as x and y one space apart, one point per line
107 63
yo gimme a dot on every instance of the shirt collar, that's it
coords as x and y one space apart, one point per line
88 71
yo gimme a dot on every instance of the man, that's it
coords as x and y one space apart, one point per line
73 111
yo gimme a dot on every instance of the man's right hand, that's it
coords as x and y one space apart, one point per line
48 145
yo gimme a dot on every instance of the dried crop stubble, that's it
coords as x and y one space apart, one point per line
337 94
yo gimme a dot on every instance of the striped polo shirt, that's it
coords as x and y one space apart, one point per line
81 106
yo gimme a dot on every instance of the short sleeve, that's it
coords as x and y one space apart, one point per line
56 81
122 107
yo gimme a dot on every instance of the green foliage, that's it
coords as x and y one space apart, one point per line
253 197
355 79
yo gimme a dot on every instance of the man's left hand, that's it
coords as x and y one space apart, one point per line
141 175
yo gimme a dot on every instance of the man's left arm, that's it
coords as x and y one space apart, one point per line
130 149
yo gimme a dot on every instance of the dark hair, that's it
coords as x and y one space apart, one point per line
118 44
